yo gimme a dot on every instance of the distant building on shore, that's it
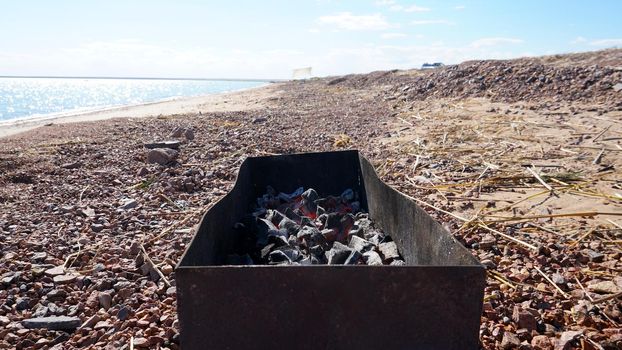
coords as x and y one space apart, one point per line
301 73
432 65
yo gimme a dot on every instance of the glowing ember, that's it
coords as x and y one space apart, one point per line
302 228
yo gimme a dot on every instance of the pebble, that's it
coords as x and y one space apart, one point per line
510 341
604 287
162 156
74 165
129 204
53 323
541 342
64 279
55 271
141 342
105 300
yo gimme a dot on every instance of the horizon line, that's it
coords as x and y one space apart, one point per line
139 78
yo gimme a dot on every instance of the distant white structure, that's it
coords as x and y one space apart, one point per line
301 73
432 65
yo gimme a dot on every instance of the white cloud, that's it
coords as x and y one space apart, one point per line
483 42
459 7
578 40
393 35
432 21
393 6
606 42
138 58
415 8
348 21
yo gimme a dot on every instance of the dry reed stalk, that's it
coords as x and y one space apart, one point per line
552 283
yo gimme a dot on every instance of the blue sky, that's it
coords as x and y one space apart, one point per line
269 38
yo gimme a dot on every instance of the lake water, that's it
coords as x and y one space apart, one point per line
34 97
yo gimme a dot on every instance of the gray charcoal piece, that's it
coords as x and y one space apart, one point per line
359 244
274 216
289 224
284 254
353 258
364 225
310 195
338 254
372 258
265 251
266 225
374 237
57 323
389 250
316 250
307 232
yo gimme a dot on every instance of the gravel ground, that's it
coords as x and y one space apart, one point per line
90 230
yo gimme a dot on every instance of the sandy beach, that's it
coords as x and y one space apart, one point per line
247 99
520 160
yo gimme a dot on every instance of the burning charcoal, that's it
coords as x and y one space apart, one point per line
274 216
284 254
266 225
346 223
317 250
330 235
398 263
292 241
339 226
329 203
347 195
236 259
305 221
308 206
375 237
298 228
307 232
290 197
265 251
289 225
359 244
364 224
355 231
372 258
354 258
310 195
264 228
320 211
338 254
389 250
290 214
279 237
310 260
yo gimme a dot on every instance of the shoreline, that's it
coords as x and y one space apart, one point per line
217 102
